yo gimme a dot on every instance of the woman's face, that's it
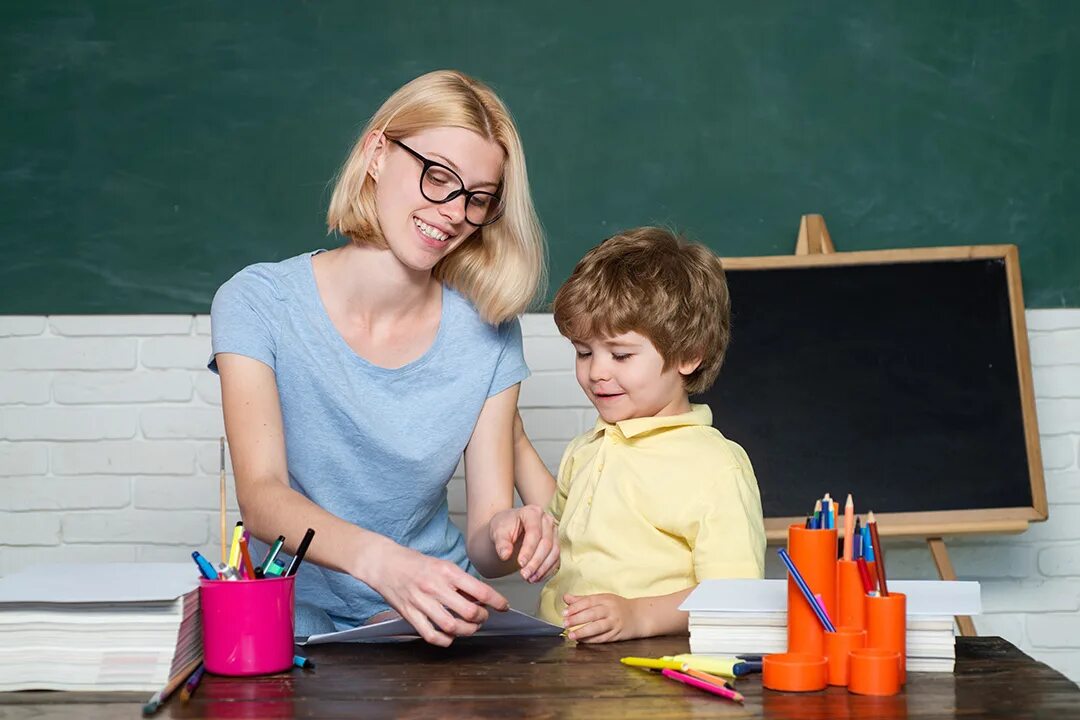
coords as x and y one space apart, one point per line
418 231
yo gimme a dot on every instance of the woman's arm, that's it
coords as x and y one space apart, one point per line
534 483
495 528
421 588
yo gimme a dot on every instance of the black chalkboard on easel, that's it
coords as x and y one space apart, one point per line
900 376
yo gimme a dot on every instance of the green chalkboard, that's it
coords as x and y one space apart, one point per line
149 150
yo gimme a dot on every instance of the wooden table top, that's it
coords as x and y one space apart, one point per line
552 678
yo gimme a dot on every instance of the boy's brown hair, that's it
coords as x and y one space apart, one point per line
651 281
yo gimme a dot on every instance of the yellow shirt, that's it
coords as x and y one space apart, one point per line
651 506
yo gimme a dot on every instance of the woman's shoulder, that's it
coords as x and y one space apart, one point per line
468 323
266 281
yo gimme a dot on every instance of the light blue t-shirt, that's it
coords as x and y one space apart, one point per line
373 446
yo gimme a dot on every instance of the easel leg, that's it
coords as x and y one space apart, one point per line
946 572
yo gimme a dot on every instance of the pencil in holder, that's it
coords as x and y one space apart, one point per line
814 554
838 647
886 626
247 625
851 595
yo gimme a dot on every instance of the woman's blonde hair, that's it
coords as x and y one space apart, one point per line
501 268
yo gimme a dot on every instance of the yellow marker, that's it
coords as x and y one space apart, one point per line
234 550
652 663
712 665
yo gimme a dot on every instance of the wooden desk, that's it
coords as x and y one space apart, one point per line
546 677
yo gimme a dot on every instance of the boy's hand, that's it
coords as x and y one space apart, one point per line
600 618
534 533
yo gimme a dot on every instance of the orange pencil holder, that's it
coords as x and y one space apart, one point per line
851 595
874 671
838 647
794 672
886 627
814 554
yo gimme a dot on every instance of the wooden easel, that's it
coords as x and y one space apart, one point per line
814 239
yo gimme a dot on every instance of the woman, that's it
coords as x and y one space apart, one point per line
353 380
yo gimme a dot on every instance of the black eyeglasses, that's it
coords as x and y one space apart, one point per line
440 184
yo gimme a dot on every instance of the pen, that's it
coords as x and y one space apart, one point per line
303 663
652 663
300 552
205 567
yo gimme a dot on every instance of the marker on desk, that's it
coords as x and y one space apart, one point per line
652 663
300 552
205 567
303 663
702 685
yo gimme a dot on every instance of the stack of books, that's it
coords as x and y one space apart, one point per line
749 617
99 627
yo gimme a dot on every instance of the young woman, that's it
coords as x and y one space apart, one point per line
354 379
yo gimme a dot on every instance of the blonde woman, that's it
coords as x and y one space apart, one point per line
354 379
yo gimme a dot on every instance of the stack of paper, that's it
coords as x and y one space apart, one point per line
738 617
98 627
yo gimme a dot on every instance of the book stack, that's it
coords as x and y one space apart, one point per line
749 617
99 627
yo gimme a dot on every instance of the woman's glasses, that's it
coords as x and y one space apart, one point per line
439 184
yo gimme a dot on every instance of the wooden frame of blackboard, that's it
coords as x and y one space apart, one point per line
930 525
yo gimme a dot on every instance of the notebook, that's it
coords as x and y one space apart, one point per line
114 626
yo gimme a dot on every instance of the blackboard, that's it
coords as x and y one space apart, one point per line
149 150
896 377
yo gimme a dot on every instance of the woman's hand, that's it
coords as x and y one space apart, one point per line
439 599
535 532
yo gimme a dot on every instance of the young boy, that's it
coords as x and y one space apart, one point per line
652 500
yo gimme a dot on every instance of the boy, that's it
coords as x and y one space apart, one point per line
652 500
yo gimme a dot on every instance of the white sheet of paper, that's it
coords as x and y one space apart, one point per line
924 597
510 623
99 583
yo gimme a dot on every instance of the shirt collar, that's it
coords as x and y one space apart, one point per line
698 415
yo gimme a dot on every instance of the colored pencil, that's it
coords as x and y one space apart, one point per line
702 685
864 575
192 684
849 527
879 554
245 558
711 679
805 590
159 698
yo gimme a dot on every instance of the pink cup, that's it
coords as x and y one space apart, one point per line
247 625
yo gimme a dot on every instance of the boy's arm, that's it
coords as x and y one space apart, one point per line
607 617
534 483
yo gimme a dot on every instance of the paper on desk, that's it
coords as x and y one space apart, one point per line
509 623
99 583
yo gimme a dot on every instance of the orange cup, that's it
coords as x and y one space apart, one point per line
838 645
794 672
851 595
874 671
886 626
814 554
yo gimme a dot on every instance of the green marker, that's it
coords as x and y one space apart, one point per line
269 559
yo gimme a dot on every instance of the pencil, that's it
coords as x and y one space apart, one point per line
192 684
849 527
224 550
245 558
879 554
159 698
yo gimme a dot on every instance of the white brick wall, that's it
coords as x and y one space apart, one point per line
108 452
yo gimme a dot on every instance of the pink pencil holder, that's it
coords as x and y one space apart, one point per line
247 625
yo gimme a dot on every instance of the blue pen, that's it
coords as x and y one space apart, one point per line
856 541
868 547
205 567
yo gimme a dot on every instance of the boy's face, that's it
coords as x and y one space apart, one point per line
624 378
